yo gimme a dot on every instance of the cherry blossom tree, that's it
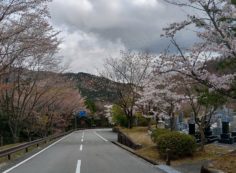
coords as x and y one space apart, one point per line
162 94
55 108
170 92
214 23
203 104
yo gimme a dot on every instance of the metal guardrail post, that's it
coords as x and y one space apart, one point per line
9 156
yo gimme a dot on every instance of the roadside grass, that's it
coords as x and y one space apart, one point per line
15 155
149 150
212 151
139 135
4 160
226 163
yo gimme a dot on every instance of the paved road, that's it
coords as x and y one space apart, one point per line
86 151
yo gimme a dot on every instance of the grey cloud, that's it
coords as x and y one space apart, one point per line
129 24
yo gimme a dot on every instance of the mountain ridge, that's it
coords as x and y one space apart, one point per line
95 88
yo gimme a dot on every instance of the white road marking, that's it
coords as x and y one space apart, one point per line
83 135
10 169
81 147
78 166
100 136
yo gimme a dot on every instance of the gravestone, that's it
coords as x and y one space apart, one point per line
176 123
225 137
192 131
233 134
185 125
233 124
181 122
191 128
209 135
217 130
161 124
192 119
167 123
225 127
181 117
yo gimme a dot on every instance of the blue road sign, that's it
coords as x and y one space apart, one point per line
81 114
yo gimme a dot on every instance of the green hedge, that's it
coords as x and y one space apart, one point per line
180 144
157 132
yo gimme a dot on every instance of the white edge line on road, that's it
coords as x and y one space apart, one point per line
78 166
81 147
10 169
100 136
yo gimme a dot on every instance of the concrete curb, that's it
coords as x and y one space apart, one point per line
207 169
168 169
164 168
133 152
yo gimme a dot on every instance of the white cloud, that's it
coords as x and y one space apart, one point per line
150 3
84 52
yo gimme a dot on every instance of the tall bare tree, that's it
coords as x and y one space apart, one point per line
25 33
28 45
130 73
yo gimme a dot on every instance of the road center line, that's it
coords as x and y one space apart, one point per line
100 136
78 166
83 135
82 140
81 147
10 169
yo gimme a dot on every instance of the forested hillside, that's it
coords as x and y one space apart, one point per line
94 87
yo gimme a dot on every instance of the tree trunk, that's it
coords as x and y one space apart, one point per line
156 120
29 138
149 124
16 138
14 131
202 138
172 122
130 122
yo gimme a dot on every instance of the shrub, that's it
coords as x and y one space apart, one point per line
179 144
120 120
157 132
118 116
142 121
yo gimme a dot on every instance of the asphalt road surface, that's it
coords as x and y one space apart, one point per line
88 151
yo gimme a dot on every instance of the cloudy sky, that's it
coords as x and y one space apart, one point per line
93 30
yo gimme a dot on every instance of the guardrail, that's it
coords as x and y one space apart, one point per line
25 146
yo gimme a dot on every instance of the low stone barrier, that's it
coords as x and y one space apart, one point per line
125 140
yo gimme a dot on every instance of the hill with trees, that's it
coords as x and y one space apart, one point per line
95 88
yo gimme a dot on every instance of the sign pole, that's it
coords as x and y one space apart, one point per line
75 122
